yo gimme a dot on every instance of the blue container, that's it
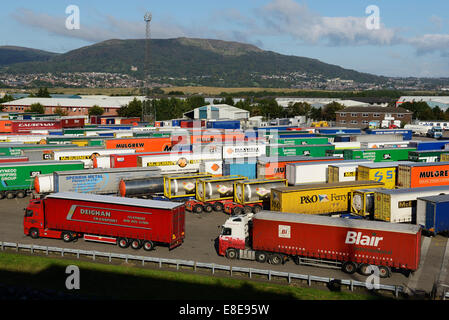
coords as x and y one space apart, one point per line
433 213
342 138
428 145
407 134
227 124
339 130
176 123
108 134
115 127
55 133
246 167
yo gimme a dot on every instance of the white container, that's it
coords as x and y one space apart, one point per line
313 172
344 171
400 205
346 145
244 151
176 163
86 155
384 144
214 167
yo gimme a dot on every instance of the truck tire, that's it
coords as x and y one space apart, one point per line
66 236
231 254
261 256
2 195
247 209
218 206
10 195
21 194
236 211
363 269
275 259
197 208
208 207
34 233
349 267
136 244
384 272
257 209
148 245
123 243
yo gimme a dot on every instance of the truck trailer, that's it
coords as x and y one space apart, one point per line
350 244
122 221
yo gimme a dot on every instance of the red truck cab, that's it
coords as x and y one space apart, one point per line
34 221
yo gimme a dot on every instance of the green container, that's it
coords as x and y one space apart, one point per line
378 154
92 141
298 150
16 149
300 141
20 176
335 153
426 156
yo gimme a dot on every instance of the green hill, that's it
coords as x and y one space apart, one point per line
203 61
11 55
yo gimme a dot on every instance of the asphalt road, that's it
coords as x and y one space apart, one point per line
199 245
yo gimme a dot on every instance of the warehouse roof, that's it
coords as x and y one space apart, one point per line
374 109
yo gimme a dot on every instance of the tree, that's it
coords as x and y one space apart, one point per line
132 109
60 112
96 111
315 114
36 108
328 111
196 102
43 93
298 109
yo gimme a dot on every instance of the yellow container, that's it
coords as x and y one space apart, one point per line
81 143
382 207
317 198
362 202
444 157
216 188
379 172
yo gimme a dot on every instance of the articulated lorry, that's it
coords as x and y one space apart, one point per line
122 221
350 244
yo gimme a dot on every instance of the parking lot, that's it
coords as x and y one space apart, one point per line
200 245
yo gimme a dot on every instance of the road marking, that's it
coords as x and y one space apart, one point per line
414 278
443 270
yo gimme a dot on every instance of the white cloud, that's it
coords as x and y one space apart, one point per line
431 43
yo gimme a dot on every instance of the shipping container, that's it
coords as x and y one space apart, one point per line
243 151
362 202
300 141
384 144
274 167
312 172
126 222
320 198
338 130
181 186
216 188
213 167
385 172
378 154
256 190
407 134
183 163
346 145
18 149
298 150
426 155
86 155
17 179
246 167
98 181
444 157
371 138
429 145
433 213
7 159
416 174
142 188
224 124
141 144
399 205
340 172
350 244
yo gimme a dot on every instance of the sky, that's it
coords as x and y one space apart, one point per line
396 38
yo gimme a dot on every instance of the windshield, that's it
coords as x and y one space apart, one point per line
226 231
28 213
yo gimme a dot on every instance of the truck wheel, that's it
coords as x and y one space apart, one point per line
231 253
136 244
21 194
236 211
208 207
197 208
218 206
257 209
123 243
275 259
349 267
34 233
261 256
66 236
363 269
2 195
247 209
10 195
384 272
148 245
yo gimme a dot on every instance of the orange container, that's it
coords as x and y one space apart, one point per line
141 144
423 175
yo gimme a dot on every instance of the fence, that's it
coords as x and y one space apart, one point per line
194 265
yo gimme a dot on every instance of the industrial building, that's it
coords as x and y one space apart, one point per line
217 112
433 101
359 117
73 107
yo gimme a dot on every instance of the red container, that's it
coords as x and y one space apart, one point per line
370 242
28 126
130 160
7 159
72 122
124 221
